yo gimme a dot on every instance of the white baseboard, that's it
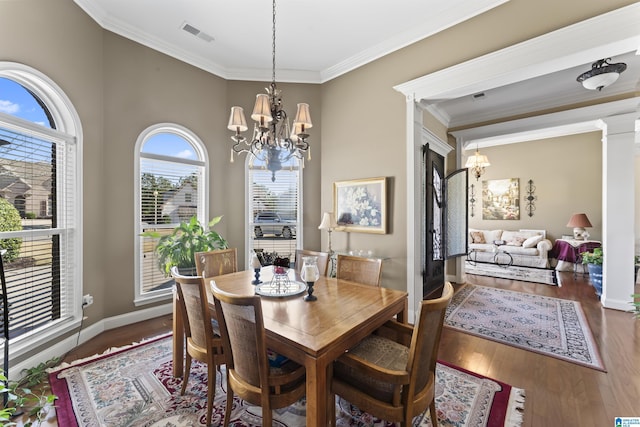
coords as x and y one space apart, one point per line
69 343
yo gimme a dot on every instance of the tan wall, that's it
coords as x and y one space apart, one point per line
566 173
364 130
119 88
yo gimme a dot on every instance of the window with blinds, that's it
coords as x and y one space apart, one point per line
38 213
171 189
274 202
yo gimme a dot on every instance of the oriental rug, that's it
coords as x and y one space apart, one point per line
546 325
134 386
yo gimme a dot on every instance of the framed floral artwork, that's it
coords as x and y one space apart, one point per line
360 205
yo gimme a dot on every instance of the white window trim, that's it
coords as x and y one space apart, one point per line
69 128
203 194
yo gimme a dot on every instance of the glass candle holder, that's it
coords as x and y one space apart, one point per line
310 274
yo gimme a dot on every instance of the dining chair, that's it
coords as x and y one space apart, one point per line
323 260
388 379
203 343
216 263
359 269
249 374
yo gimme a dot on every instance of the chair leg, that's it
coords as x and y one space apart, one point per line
433 413
187 372
229 405
267 417
211 389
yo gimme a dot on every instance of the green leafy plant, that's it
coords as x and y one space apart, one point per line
10 221
636 305
594 257
179 247
28 396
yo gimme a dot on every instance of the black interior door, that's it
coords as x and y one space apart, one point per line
433 205
444 219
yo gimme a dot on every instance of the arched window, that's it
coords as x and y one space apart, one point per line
274 208
171 187
40 226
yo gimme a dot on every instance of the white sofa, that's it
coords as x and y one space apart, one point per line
527 248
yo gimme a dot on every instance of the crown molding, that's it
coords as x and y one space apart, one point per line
439 21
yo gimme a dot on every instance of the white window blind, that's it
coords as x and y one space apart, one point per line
37 177
172 185
274 195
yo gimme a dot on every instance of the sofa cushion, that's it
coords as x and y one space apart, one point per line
532 242
514 238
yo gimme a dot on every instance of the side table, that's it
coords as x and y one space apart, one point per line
567 252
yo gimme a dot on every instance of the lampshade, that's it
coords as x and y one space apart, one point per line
328 221
262 109
303 117
579 220
237 122
601 74
477 160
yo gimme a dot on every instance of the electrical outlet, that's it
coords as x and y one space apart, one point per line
87 300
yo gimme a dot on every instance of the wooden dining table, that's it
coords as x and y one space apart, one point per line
312 333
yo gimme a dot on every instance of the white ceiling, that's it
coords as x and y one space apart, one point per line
320 40
316 40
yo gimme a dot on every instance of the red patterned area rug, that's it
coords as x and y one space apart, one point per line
134 386
551 326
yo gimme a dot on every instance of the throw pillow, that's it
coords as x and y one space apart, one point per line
531 242
477 237
516 241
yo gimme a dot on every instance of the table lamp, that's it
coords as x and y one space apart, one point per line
579 221
328 223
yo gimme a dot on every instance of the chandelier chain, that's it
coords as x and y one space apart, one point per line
273 46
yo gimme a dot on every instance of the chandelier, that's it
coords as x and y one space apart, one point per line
274 141
601 74
477 163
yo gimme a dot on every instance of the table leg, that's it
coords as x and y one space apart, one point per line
178 338
317 392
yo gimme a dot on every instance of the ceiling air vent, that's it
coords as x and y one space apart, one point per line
196 32
478 96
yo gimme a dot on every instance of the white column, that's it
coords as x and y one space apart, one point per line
413 135
618 195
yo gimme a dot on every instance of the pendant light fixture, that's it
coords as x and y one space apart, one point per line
477 163
601 74
274 141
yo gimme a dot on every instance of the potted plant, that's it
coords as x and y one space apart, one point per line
594 264
179 247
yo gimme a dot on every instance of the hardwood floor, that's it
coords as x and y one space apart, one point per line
558 393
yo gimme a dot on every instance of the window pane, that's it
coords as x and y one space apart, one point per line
171 177
34 252
19 102
169 144
274 213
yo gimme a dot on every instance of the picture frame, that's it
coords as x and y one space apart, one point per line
360 205
501 199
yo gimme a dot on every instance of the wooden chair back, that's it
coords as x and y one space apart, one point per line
384 377
359 269
216 263
323 260
248 372
202 343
